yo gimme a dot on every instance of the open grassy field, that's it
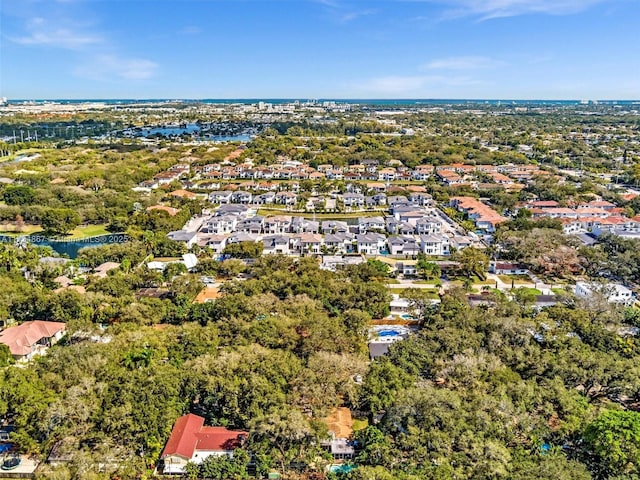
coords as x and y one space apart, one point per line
11 229
517 279
83 231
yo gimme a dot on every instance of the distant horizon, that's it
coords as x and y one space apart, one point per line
325 99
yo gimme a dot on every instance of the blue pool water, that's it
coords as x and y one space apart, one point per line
388 333
406 316
5 447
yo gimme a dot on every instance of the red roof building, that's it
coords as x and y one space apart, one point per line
191 441
31 338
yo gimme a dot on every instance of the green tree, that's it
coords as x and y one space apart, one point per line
473 261
613 439
18 195
244 249
428 270
5 355
60 220
375 447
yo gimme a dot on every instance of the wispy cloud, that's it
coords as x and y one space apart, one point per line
41 32
98 56
463 63
190 30
488 9
343 12
113 67
397 85
349 16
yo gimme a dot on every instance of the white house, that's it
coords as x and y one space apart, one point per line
220 225
339 242
220 197
370 243
434 244
353 200
428 225
217 243
368 224
276 244
277 224
403 246
613 292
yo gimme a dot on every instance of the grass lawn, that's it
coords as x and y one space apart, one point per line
559 291
430 294
534 291
85 231
461 279
360 424
10 229
516 279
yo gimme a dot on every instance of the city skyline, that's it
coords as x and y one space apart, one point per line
516 49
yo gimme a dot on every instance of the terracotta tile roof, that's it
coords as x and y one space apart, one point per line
544 203
484 212
21 339
599 204
183 194
189 434
170 210
207 294
340 422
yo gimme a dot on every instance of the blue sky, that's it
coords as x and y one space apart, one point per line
523 49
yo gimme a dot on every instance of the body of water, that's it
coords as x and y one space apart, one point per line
69 248
188 129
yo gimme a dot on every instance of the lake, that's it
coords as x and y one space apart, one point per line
71 247
189 129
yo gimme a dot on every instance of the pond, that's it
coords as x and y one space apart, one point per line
189 129
68 248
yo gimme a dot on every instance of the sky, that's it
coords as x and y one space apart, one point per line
314 49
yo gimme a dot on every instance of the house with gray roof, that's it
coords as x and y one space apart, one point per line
220 224
220 197
434 244
334 226
302 225
339 242
403 246
371 224
276 244
277 224
253 225
353 200
370 243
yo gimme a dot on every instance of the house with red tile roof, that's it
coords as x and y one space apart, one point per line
484 216
192 441
29 339
170 210
183 194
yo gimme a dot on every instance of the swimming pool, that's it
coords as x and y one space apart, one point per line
388 333
406 316
5 447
